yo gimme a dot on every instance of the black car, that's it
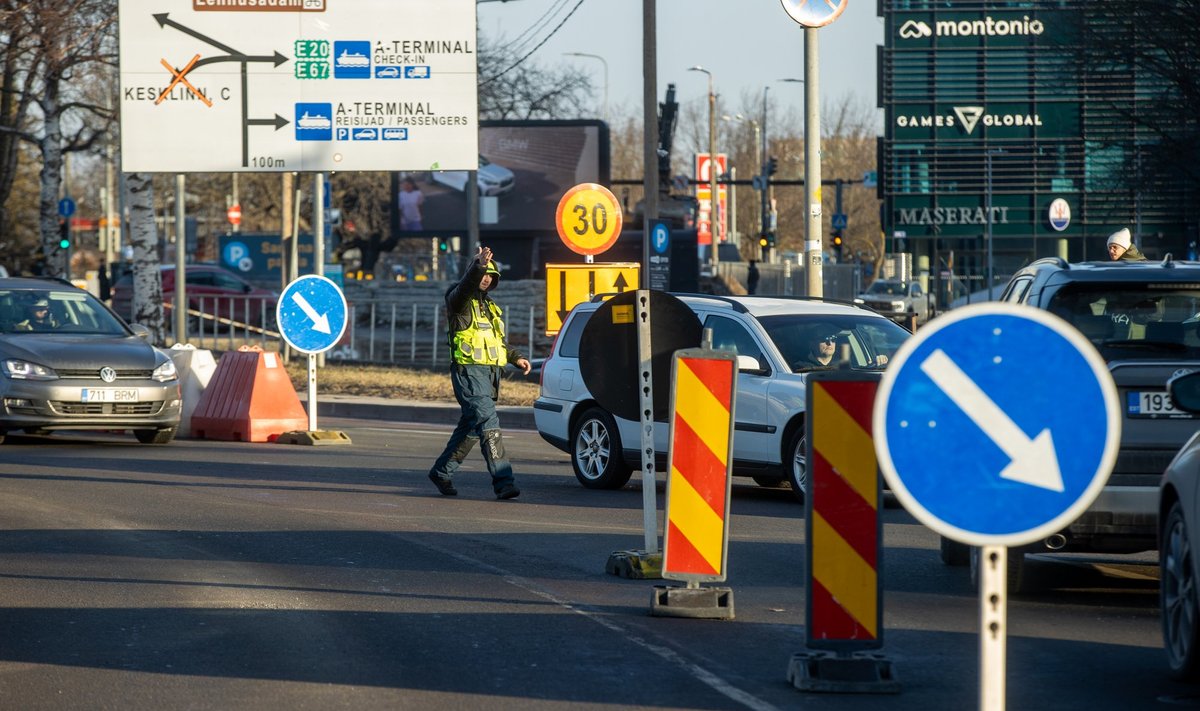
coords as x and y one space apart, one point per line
1144 319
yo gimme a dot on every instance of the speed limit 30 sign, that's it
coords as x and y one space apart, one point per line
588 219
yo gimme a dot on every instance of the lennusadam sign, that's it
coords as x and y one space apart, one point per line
967 118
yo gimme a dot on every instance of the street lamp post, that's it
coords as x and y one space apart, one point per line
714 201
603 61
758 159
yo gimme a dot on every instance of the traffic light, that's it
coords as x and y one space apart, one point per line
837 245
772 166
443 245
64 236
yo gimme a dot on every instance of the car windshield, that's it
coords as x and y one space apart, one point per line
50 311
888 288
1134 321
863 343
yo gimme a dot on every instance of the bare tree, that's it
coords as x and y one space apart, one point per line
516 87
66 43
143 236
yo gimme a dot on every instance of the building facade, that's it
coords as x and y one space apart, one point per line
1020 130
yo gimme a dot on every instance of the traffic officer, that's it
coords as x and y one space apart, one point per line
478 352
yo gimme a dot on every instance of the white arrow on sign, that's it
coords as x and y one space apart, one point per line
1034 461
320 321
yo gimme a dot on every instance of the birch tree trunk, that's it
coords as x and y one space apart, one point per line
143 238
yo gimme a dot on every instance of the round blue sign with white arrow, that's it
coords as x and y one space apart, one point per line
311 314
997 424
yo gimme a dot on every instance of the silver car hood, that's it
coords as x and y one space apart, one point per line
66 351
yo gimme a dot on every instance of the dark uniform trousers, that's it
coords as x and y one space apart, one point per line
476 387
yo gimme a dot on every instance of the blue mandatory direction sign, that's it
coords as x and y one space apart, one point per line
312 314
997 424
66 207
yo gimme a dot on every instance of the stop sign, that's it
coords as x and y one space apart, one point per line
235 214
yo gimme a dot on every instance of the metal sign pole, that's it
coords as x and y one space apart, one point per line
646 380
312 392
993 626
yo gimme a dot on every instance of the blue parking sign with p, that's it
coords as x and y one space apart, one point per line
997 424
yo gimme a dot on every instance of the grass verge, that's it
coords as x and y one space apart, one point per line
399 383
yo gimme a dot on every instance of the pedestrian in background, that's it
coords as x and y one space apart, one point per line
1121 247
478 352
410 200
752 278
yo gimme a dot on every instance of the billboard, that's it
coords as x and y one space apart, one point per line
525 167
297 85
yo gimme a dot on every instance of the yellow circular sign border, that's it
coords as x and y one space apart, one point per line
565 235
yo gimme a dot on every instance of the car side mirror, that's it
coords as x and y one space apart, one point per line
749 364
140 331
1185 391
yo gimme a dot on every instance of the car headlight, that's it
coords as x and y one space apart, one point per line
898 305
164 372
24 370
859 301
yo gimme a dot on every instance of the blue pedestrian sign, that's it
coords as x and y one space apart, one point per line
311 314
66 207
997 424
839 221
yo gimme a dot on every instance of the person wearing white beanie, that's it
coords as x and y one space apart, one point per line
1120 246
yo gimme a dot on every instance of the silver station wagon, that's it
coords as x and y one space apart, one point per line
777 340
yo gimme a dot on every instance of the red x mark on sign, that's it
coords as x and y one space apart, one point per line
179 79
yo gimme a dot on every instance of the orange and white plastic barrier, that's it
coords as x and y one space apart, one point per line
250 398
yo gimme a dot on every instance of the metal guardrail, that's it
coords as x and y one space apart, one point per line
382 332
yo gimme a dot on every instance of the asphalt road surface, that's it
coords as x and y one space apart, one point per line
217 575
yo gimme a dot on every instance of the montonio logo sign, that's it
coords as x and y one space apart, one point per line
987 27
967 118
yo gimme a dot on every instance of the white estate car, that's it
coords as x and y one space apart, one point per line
769 442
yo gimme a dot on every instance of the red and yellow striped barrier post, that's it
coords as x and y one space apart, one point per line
844 611
699 463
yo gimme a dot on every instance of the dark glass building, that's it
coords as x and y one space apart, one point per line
998 115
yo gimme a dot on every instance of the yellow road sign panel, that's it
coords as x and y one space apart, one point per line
571 284
588 219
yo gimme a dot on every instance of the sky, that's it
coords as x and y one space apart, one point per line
756 44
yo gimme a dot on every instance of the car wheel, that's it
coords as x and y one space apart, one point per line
596 452
797 464
1178 596
159 436
954 553
1016 570
768 482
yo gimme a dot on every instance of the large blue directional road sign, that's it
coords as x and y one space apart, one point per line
311 314
997 424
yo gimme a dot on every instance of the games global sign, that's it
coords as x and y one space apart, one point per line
967 118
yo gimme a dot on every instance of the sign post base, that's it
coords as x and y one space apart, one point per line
695 602
314 437
635 565
828 672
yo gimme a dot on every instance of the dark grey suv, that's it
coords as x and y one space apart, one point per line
1144 319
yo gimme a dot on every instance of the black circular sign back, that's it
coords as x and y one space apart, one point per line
608 351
